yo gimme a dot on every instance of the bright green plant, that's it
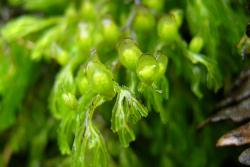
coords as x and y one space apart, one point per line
103 68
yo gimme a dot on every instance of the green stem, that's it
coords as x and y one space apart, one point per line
133 81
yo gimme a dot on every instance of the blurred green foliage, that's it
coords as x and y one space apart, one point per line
114 83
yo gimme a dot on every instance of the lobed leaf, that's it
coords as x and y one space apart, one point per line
126 110
93 151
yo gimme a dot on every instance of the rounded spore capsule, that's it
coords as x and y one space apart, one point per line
178 16
85 35
110 30
129 53
196 44
83 85
88 10
167 28
147 69
157 5
100 79
162 60
70 100
144 20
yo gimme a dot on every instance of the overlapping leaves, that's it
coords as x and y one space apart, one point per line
60 39
127 110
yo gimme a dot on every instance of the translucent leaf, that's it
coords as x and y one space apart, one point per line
118 115
163 87
84 104
89 147
65 133
92 151
127 110
43 45
213 73
196 81
133 109
126 135
156 95
24 26
64 84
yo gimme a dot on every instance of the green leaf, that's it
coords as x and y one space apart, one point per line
126 110
93 149
196 81
214 79
24 26
16 77
44 5
156 95
65 133
89 147
44 43
64 84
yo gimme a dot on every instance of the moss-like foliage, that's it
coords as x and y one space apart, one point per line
108 83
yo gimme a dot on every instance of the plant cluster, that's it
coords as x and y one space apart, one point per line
101 66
